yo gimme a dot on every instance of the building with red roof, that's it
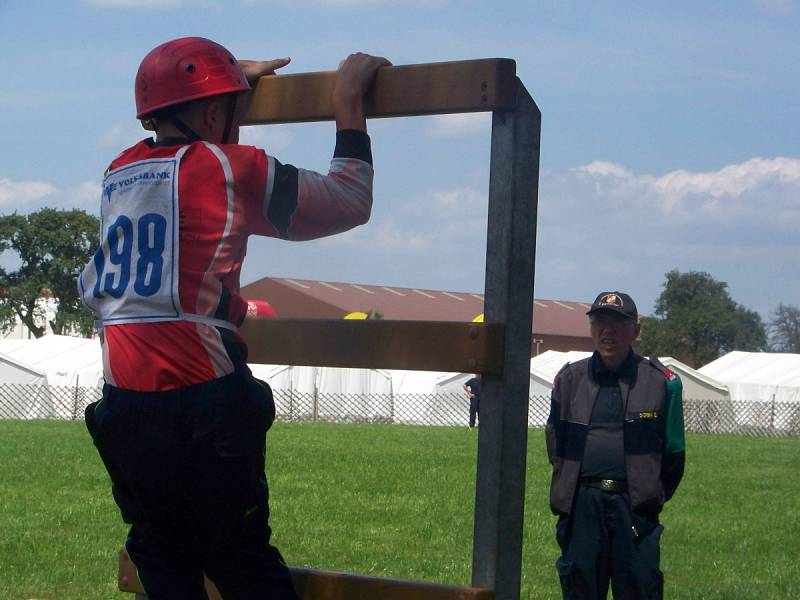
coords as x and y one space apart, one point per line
557 325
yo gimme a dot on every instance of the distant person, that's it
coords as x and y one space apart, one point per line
615 439
473 389
182 423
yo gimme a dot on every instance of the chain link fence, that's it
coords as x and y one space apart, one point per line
443 409
42 401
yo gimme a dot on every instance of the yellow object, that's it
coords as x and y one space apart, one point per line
478 319
356 315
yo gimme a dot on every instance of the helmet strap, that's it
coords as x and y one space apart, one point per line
190 133
230 109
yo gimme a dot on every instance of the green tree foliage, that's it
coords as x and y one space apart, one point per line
51 246
697 321
784 329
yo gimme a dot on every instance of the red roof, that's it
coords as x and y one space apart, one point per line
303 298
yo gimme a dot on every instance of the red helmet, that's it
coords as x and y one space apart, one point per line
185 69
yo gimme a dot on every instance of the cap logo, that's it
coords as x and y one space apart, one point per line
611 299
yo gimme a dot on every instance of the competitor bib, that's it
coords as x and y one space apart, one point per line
133 276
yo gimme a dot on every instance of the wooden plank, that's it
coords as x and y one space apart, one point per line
481 85
312 584
412 345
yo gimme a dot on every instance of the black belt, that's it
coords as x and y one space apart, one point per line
607 485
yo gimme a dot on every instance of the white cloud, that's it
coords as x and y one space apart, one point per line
466 200
348 3
121 136
16 194
459 125
382 236
605 168
141 4
682 193
30 196
88 190
776 7
603 226
438 223
732 181
273 140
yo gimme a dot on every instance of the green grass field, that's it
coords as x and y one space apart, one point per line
397 501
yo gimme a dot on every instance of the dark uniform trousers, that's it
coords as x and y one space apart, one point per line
603 540
474 407
187 472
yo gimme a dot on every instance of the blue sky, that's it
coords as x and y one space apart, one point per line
670 140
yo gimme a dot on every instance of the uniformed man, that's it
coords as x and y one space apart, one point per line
615 439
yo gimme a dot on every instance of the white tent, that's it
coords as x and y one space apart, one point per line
547 364
294 389
697 385
23 391
764 387
707 403
758 376
416 402
328 392
354 394
68 361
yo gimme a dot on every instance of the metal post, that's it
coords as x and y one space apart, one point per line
315 405
502 441
75 398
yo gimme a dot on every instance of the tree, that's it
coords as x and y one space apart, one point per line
697 321
51 247
784 329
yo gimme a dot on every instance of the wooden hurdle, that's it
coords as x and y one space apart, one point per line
499 348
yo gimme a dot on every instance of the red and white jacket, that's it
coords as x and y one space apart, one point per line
175 218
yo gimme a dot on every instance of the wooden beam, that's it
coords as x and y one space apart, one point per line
487 84
411 345
313 584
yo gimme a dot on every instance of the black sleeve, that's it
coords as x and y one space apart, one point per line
284 198
552 420
353 143
672 472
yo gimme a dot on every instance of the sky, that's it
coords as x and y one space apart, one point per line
670 133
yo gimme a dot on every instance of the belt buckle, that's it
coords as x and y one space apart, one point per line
608 485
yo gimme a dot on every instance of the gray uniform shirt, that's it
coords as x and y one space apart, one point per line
604 455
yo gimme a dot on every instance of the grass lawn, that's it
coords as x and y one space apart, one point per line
397 501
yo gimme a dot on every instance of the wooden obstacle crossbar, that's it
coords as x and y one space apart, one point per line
499 348
313 584
410 345
488 84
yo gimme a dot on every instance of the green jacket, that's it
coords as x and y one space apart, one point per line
653 432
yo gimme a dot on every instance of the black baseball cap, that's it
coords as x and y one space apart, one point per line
617 302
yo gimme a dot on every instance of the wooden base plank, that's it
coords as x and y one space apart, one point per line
313 584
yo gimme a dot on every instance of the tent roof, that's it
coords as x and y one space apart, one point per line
762 368
685 370
547 364
62 357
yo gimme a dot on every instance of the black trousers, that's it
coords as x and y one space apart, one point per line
187 472
603 541
474 405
